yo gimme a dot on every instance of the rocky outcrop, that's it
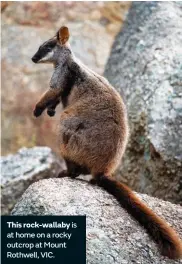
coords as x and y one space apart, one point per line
112 235
25 167
145 63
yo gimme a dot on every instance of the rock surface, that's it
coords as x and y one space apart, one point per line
20 170
145 63
112 235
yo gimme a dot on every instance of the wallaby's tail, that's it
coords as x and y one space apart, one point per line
167 239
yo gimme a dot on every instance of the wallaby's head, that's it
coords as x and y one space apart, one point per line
54 50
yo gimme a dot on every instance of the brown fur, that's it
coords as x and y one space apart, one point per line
103 123
93 134
63 35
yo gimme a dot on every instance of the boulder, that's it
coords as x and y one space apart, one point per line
145 66
113 236
25 167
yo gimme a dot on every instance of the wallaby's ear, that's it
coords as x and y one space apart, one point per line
63 35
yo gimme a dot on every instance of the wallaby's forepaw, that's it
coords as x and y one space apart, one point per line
38 111
51 112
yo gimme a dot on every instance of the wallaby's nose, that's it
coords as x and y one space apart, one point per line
34 59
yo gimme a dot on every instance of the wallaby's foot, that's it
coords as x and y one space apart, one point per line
51 112
38 111
63 174
93 181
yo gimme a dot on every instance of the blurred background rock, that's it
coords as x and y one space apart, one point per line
25 25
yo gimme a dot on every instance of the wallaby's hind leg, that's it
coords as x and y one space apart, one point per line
73 170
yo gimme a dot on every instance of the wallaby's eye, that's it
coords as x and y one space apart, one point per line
49 48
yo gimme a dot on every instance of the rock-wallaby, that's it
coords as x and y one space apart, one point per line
93 132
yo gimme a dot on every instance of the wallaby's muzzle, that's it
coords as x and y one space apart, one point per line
35 59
